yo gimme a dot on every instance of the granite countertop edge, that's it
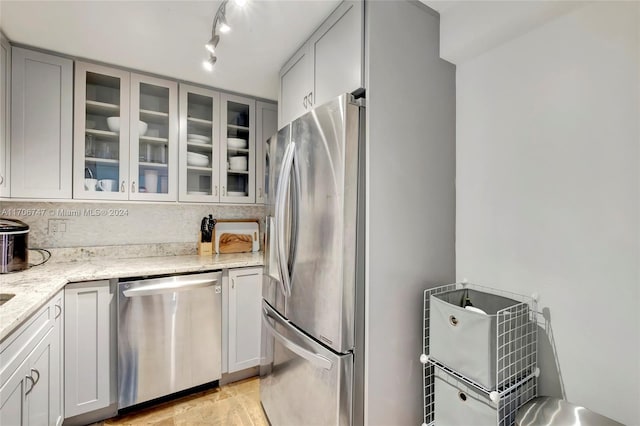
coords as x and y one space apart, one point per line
35 286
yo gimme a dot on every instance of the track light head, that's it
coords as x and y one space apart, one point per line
209 63
212 44
224 27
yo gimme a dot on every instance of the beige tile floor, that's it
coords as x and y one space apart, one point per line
235 404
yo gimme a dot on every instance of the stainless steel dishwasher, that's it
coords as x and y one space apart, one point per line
169 335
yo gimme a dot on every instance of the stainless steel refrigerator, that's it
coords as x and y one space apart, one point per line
312 365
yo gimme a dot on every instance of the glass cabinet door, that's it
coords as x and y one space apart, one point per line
237 150
153 148
199 142
101 133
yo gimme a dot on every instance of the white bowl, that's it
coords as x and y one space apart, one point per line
197 160
142 128
114 125
238 163
236 143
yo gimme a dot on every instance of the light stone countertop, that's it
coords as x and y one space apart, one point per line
35 286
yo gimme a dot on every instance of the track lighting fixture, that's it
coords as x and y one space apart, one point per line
219 24
224 27
212 44
209 63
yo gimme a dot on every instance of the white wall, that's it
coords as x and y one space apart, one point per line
548 192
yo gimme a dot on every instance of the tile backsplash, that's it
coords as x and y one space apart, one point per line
86 224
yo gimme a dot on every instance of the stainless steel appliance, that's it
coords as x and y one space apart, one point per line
169 335
14 239
312 368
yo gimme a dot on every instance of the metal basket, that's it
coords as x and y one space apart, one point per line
493 354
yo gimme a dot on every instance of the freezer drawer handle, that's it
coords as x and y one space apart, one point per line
316 359
154 289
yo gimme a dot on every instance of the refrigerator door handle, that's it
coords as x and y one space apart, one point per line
272 258
314 358
295 201
283 185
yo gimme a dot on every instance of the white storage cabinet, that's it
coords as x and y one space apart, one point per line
127 163
238 184
31 369
5 116
244 318
267 126
88 348
328 64
199 144
41 125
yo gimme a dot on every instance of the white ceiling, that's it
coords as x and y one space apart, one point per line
168 37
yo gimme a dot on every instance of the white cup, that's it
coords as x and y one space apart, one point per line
238 163
90 184
151 180
107 185
164 184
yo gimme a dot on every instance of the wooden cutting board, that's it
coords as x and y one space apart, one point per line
236 236
235 243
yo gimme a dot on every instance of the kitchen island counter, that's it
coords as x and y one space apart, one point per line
33 287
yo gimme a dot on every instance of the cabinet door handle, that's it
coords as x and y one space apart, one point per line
233 283
304 102
133 186
58 311
33 383
259 192
310 96
33 370
216 190
1 179
122 187
224 192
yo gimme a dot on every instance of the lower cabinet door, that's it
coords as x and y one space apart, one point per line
38 383
87 360
12 402
245 295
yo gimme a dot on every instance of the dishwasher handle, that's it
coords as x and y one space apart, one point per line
169 287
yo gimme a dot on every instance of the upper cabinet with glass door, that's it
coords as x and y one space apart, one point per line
199 144
126 133
153 149
101 123
237 150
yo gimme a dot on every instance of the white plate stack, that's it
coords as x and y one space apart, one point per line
195 138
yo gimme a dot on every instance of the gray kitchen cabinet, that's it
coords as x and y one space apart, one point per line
199 144
5 116
267 126
126 133
295 85
41 125
87 347
328 64
244 318
30 375
237 165
56 384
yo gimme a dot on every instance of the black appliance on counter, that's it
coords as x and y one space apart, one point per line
14 236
